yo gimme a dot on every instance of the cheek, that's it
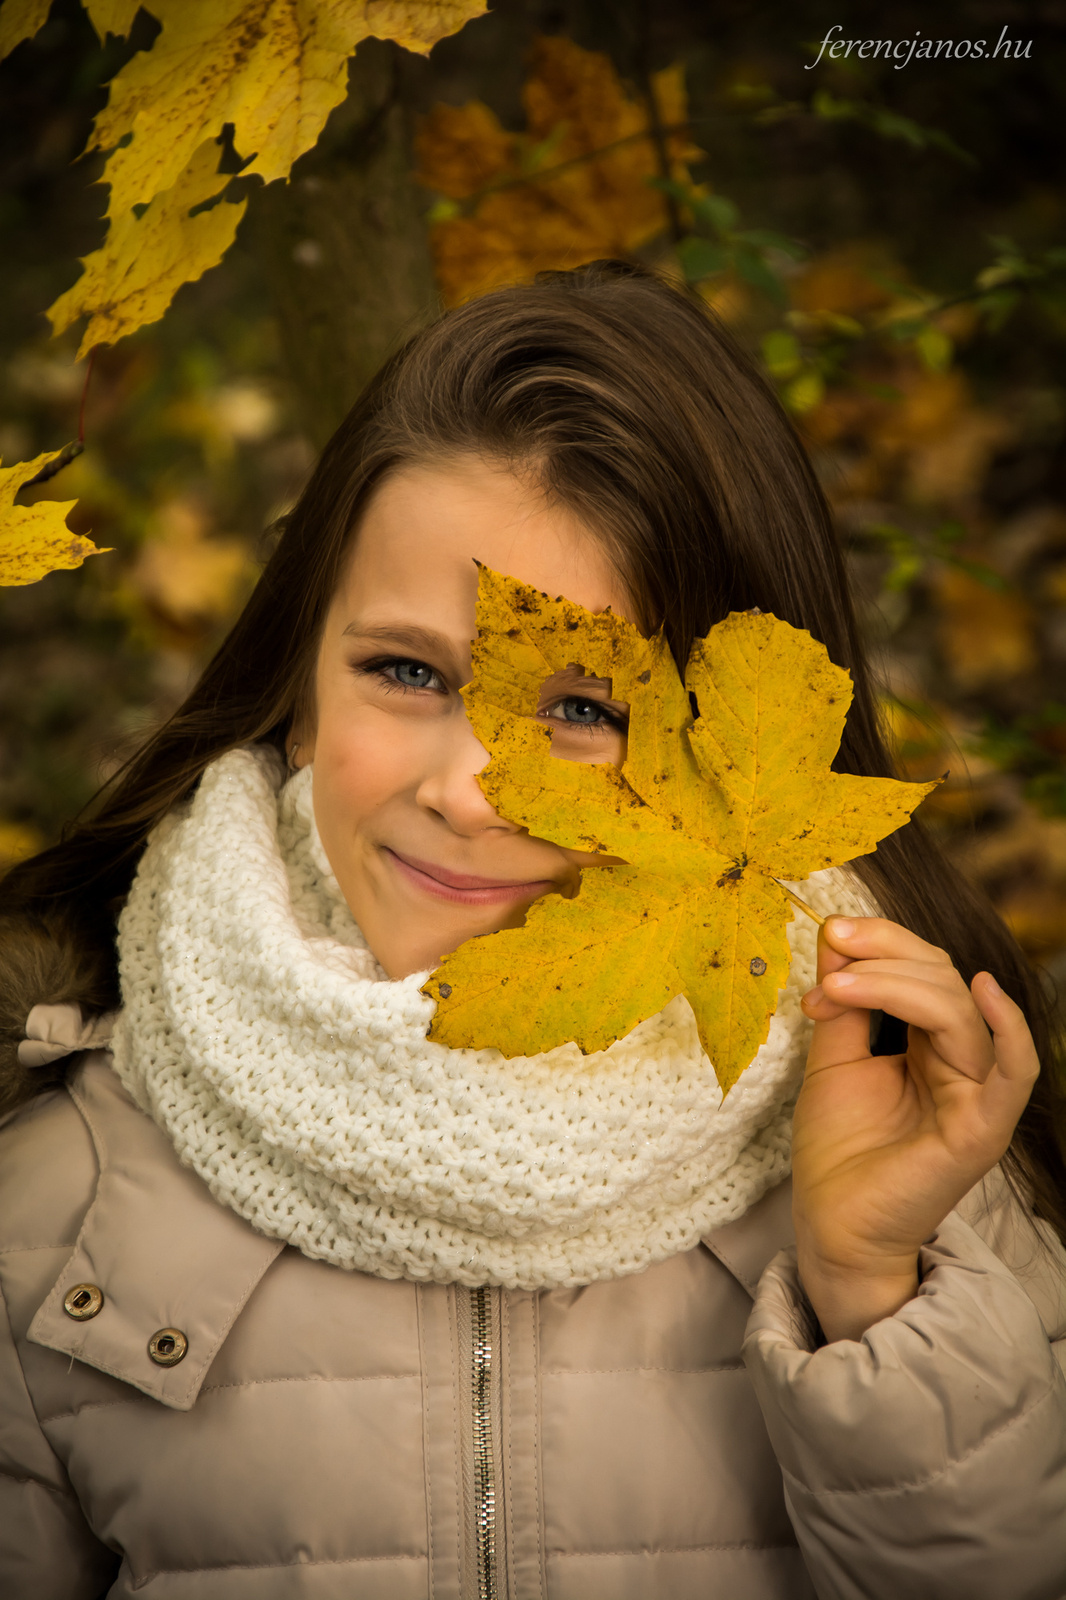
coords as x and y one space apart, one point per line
363 761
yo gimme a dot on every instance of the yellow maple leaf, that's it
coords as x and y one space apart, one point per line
19 20
112 16
143 261
275 69
574 187
705 812
35 540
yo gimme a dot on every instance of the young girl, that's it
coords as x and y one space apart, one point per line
301 1303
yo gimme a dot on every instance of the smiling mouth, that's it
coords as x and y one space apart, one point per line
464 888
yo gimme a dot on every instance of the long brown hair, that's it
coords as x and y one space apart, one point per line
637 410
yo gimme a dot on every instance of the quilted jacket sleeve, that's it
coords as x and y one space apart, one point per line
928 1459
47 1552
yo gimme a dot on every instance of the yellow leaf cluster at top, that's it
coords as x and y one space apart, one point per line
272 69
573 187
35 540
706 812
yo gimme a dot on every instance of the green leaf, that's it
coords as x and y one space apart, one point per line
767 239
781 352
721 213
700 258
755 270
935 348
806 391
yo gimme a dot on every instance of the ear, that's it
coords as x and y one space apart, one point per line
299 744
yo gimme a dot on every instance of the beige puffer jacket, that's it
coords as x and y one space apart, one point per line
331 1435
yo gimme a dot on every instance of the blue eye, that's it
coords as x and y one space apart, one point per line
412 674
585 712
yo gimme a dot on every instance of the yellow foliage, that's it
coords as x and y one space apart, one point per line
35 540
705 814
186 579
112 16
572 188
143 261
19 20
986 635
275 69
843 281
17 841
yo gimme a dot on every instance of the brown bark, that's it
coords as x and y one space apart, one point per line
343 246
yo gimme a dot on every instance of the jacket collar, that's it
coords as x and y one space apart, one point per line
748 1245
166 1254
162 1250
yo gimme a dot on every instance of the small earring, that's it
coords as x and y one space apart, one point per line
292 758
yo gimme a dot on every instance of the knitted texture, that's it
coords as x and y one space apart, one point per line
298 1082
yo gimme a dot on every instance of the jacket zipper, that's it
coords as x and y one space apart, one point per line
481 1376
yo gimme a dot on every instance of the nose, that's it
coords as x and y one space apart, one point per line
449 787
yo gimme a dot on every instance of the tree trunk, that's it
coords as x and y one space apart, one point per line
343 246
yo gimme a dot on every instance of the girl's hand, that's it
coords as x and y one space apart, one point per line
885 1146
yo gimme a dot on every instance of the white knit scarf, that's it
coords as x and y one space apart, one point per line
297 1081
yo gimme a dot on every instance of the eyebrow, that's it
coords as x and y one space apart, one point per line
402 633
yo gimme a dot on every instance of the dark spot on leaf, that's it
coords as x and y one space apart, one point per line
757 967
645 677
445 991
572 626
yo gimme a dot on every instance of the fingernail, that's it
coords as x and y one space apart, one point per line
991 986
842 928
839 979
812 997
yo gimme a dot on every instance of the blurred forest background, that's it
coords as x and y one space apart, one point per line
890 241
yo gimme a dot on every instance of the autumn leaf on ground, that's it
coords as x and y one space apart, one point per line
576 182
143 261
704 812
35 540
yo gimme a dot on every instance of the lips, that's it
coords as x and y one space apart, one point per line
465 888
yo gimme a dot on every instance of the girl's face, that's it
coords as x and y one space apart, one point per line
423 860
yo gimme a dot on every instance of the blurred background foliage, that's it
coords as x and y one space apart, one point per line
890 242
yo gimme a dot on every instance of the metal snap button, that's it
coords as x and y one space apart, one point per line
167 1347
83 1301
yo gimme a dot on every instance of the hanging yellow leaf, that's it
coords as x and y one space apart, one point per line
144 260
35 540
19 20
573 187
275 69
705 814
112 16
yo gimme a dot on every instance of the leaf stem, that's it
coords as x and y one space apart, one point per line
796 901
85 394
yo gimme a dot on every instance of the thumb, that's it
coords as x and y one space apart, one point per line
841 1033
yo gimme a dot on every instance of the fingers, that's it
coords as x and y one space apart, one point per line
943 1010
1016 1056
875 938
841 1033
